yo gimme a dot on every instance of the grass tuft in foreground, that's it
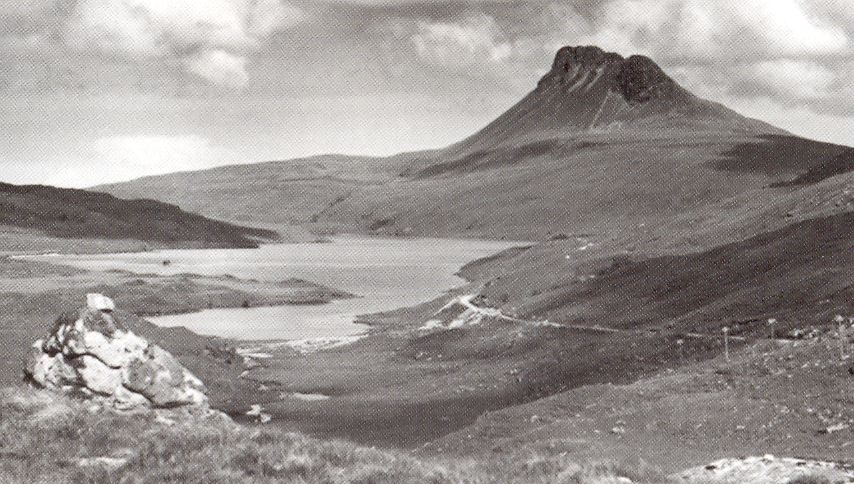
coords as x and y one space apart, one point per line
50 438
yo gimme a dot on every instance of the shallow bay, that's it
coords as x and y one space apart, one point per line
383 273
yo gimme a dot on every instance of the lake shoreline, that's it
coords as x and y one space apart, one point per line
249 382
369 275
35 293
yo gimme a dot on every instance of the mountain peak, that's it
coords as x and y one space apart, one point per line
591 91
637 78
588 55
640 79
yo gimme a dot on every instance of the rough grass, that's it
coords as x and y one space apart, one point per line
68 213
810 480
50 438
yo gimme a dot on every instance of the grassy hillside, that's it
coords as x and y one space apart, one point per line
603 145
78 214
797 273
612 320
771 397
49 438
279 192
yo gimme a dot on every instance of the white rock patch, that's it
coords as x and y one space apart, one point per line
765 470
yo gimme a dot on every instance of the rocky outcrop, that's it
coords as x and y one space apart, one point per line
90 352
589 91
637 79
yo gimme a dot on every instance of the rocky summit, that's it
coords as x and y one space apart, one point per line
90 352
591 91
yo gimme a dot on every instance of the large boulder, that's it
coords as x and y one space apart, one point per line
90 352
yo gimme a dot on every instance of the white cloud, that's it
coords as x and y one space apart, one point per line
212 39
800 80
219 66
792 51
473 40
33 10
120 158
799 120
269 16
132 156
837 12
153 151
715 30
21 45
781 27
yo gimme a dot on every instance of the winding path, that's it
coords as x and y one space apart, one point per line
471 308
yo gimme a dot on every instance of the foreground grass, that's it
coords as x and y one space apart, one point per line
49 438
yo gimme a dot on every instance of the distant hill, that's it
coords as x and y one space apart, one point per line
590 90
278 192
606 148
604 144
79 214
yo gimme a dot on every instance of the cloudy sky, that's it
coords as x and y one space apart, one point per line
104 90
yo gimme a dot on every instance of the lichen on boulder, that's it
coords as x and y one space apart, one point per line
91 352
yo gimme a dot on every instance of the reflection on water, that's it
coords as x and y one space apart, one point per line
384 273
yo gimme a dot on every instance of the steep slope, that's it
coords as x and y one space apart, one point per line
78 214
603 145
590 90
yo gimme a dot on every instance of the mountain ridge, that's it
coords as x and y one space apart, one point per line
655 153
590 90
71 213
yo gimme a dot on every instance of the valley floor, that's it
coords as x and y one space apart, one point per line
592 361
786 397
663 430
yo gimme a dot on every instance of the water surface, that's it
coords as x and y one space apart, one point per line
385 273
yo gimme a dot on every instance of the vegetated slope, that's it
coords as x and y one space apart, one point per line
69 213
577 323
602 145
53 438
771 397
797 274
844 163
278 192
611 319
